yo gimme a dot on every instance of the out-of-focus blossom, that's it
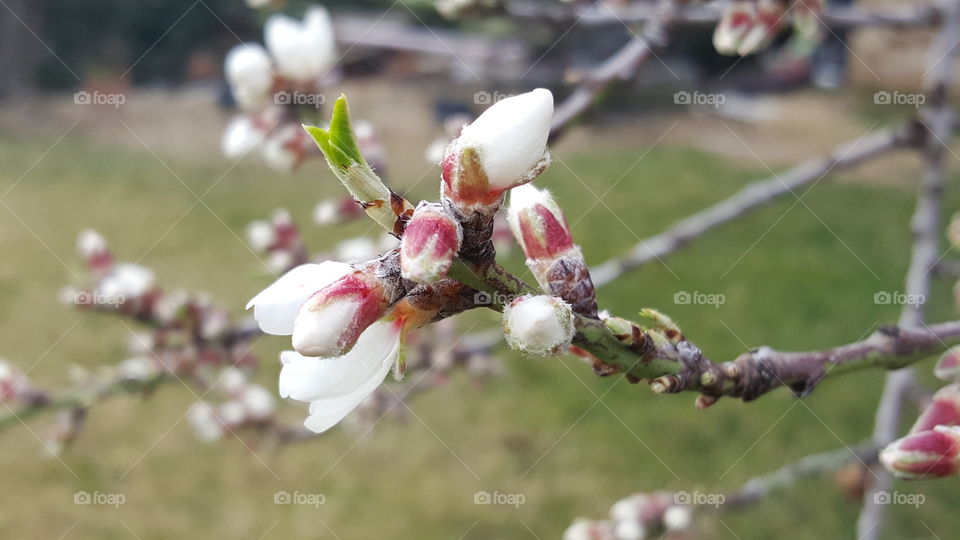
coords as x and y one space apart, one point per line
250 75
303 50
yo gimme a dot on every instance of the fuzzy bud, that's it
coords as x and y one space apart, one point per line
928 454
944 410
539 325
429 244
329 323
505 147
948 367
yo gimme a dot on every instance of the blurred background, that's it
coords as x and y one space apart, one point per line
149 175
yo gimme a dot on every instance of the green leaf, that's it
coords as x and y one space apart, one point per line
341 132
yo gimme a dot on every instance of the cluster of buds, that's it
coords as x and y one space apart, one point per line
247 405
278 86
279 239
749 26
639 516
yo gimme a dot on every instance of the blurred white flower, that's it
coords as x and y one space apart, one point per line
354 250
137 368
204 421
283 149
241 136
250 75
258 402
127 281
261 235
302 50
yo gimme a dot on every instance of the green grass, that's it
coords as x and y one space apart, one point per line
539 431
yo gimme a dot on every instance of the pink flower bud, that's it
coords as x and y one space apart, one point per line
538 224
330 321
93 248
747 27
503 148
538 325
948 367
928 454
429 244
944 410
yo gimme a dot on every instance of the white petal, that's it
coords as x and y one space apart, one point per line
240 137
511 136
302 50
309 379
249 73
275 308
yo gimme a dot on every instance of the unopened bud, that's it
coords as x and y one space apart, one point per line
539 325
539 225
944 410
503 148
583 529
329 323
948 367
429 244
260 235
250 75
928 454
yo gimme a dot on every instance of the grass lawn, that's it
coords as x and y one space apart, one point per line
794 275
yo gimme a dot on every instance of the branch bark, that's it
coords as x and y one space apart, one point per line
926 227
753 196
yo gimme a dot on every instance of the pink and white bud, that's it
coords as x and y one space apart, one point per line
944 410
13 383
429 244
330 322
93 248
948 367
678 518
302 50
503 148
538 325
735 22
928 454
250 75
240 137
539 225
584 529
766 25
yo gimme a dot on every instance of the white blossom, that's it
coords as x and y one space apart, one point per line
302 50
275 308
250 75
127 281
241 136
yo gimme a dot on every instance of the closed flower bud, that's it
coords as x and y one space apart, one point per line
93 248
539 225
429 244
205 422
928 454
330 321
735 22
250 75
260 235
503 148
303 50
944 410
948 367
539 325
